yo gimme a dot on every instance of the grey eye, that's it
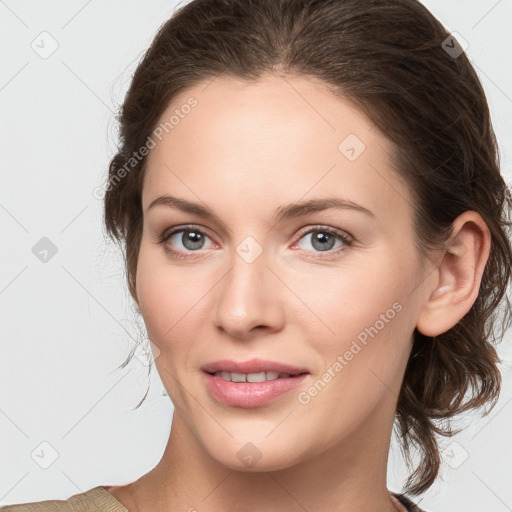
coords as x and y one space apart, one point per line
190 239
321 240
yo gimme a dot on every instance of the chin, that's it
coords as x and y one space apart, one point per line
263 465
256 456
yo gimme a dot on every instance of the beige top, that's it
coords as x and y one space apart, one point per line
94 500
98 499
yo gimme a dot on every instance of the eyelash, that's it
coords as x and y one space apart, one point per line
346 240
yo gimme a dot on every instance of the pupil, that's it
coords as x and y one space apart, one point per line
323 238
192 239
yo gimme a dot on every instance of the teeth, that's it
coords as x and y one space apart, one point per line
251 377
257 377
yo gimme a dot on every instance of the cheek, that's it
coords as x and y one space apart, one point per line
172 297
161 294
362 314
346 299
364 345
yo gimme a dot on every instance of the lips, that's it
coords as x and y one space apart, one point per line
252 366
240 384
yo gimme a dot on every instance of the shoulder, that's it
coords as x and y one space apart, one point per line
97 498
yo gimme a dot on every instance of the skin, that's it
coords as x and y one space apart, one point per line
246 149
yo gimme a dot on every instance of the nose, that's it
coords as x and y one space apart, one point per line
248 299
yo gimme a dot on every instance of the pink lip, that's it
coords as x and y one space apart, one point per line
251 394
252 366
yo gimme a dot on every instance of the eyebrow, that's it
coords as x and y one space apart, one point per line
282 213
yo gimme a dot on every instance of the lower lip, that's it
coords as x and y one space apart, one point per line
250 394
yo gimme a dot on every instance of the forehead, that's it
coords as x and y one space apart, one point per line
280 137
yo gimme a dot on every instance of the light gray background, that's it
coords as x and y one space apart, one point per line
67 324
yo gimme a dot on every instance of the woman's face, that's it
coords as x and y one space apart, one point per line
333 291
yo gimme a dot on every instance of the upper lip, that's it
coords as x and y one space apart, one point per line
251 366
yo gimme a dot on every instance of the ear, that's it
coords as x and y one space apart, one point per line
458 275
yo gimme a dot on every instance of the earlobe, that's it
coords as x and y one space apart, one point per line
459 275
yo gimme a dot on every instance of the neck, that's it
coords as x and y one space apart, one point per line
347 477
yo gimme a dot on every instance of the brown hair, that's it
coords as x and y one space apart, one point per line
398 64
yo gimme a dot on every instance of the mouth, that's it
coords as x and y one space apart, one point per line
253 383
254 377
255 368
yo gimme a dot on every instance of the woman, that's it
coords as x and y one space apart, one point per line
253 134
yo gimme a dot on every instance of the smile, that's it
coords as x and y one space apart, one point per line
252 389
252 377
